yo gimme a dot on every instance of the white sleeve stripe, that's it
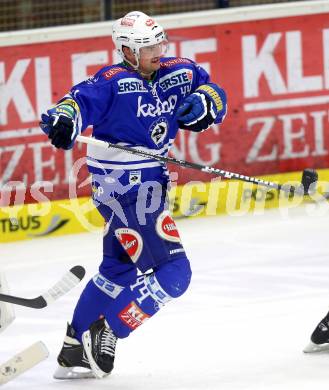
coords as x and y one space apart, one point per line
114 155
104 165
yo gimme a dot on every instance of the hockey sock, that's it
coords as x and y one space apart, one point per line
126 308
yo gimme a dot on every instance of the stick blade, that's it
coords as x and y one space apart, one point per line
63 286
309 179
23 361
78 271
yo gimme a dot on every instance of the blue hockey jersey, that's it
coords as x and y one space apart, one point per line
126 109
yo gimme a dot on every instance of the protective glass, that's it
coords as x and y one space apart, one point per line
157 50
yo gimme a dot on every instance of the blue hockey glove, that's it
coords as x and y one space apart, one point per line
207 105
60 124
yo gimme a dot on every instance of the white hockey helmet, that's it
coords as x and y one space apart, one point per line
137 30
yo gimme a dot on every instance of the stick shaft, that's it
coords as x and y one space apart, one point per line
185 164
34 303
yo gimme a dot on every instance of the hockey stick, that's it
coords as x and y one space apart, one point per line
23 361
64 285
309 176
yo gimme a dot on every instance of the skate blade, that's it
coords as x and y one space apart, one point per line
313 348
73 373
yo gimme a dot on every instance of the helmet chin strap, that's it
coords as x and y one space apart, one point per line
146 75
136 66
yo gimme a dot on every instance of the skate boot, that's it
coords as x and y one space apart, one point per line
320 337
99 344
72 360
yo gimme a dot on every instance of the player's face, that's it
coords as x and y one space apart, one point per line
149 56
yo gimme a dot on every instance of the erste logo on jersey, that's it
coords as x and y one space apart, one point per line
159 131
131 241
173 79
166 227
131 84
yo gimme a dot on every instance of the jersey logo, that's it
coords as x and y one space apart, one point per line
112 72
135 177
175 61
162 107
131 84
131 241
173 79
159 131
166 227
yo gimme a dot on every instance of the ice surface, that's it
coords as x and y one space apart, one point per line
260 285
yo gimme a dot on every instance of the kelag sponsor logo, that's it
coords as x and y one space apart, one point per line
162 107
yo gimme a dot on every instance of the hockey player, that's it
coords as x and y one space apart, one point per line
140 102
320 337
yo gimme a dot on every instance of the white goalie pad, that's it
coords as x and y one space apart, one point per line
7 313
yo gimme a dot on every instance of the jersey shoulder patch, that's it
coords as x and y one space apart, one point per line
108 74
111 72
174 61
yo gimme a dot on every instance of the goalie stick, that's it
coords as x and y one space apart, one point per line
308 182
64 285
23 361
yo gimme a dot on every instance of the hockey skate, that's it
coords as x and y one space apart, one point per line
99 344
72 359
92 359
320 337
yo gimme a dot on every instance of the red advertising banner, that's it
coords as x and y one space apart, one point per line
275 72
